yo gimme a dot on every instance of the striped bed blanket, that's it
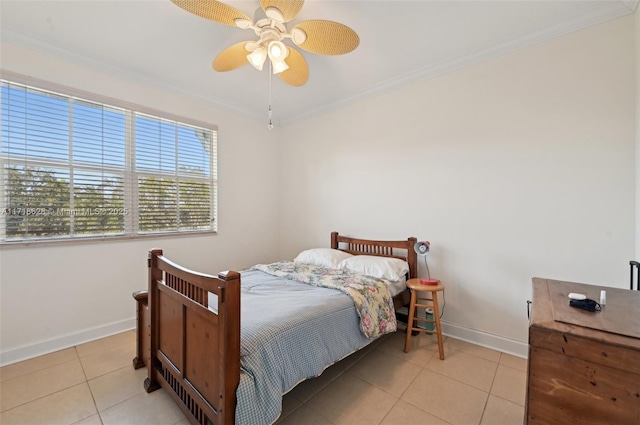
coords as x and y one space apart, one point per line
292 331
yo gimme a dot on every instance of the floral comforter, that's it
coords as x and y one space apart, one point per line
370 295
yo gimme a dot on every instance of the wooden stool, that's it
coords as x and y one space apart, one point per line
412 321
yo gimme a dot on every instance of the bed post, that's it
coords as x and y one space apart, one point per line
142 329
155 275
334 240
412 258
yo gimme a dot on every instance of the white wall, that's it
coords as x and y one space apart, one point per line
519 166
53 297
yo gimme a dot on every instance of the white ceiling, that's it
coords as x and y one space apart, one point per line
401 42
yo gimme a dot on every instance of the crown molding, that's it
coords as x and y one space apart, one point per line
605 13
22 39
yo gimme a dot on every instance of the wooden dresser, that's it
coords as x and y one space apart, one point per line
584 367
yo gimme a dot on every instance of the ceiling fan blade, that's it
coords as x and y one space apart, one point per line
298 73
288 8
213 10
327 37
231 58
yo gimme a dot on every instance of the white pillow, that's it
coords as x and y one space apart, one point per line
381 267
323 257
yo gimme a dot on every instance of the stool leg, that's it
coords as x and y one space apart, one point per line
412 310
436 316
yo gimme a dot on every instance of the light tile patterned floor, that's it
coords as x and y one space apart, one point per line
94 384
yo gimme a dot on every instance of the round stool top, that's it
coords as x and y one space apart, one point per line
416 285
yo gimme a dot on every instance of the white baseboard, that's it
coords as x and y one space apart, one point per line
495 342
55 344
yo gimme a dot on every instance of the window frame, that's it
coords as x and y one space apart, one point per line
130 173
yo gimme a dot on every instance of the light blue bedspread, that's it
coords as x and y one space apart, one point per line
281 321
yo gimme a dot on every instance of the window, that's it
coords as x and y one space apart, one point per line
72 168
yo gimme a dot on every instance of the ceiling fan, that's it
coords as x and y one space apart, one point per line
315 36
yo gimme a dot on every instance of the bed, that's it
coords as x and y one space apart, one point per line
189 334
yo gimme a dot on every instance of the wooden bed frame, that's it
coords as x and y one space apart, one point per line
194 353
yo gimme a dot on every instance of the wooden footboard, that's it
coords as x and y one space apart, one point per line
194 352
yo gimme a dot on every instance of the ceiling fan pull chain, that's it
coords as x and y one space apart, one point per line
270 126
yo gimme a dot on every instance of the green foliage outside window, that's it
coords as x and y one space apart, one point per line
39 205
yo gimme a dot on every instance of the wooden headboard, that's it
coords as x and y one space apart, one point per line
395 249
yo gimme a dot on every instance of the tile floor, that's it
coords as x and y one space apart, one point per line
94 383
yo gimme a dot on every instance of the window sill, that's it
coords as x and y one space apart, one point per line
107 239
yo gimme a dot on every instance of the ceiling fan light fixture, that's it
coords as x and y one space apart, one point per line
277 51
279 66
250 46
257 58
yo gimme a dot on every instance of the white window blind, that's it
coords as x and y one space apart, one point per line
72 168
173 174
